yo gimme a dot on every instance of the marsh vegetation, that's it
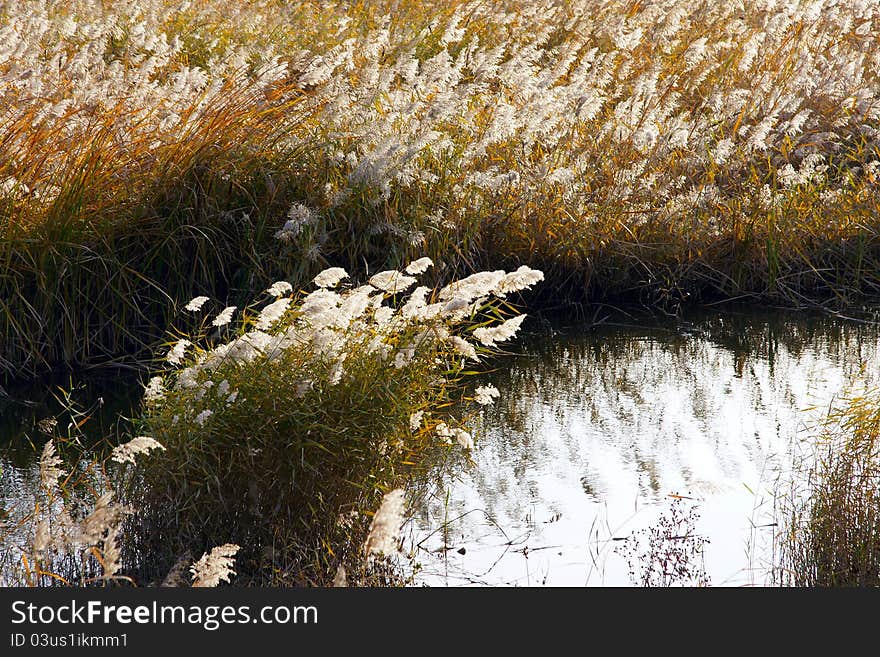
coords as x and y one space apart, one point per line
159 155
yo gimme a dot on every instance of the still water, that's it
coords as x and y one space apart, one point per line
597 429
598 426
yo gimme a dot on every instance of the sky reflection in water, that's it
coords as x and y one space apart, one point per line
596 428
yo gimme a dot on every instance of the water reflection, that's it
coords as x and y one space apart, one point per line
99 402
595 429
84 411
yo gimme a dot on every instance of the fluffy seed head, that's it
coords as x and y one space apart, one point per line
386 524
392 281
196 304
224 317
486 395
126 452
215 566
175 354
330 277
280 288
419 266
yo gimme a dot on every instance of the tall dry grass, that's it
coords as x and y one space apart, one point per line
665 151
830 518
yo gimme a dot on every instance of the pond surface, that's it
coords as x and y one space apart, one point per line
599 425
598 429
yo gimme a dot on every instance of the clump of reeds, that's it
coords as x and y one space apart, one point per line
87 274
283 426
830 518
277 429
70 532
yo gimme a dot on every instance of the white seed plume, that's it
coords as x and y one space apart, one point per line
415 304
280 288
723 150
488 336
383 315
340 580
521 279
419 266
126 452
176 353
486 395
330 277
443 432
49 462
337 370
404 356
298 217
472 287
224 317
42 535
112 554
463 438
386 524
463 347
155 390
271 314
415 420
202 417
196 304
392 281
215 566
106 515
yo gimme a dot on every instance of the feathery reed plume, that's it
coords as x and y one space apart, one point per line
196 304
49 471
126 452
486 395
215 566
340 580
385 528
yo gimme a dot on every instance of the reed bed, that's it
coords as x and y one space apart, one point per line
156 150
830 515
666 151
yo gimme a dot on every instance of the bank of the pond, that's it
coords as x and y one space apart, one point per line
109 298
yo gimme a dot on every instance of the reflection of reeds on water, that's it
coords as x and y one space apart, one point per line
619 409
